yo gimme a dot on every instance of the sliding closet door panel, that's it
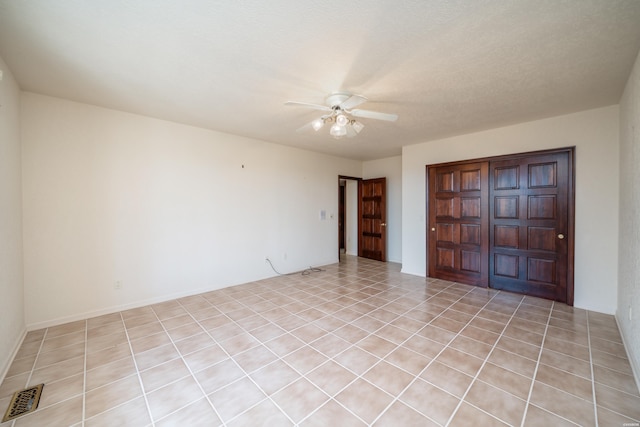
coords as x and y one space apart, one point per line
529 225
458 222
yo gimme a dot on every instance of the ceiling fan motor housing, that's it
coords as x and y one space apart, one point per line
335 99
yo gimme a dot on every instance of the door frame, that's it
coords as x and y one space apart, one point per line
348 178
571 151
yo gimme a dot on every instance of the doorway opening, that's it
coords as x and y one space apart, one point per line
347 216
362 226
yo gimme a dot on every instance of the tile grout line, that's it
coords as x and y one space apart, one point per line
278 357
331 398
181 356
84 371
535 371
35 362
361 376
484 362
33 368
224 422
389 293
417 376
308 344
593 378
135 364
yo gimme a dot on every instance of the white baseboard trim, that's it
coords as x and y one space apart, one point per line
4 369
413 273
634 364
114 309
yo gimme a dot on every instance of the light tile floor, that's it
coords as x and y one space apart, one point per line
356 344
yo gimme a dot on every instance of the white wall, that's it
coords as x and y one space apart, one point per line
351 217
165 209
391 168
594 133
629 247
12 323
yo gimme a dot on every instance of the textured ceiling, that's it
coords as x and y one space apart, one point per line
445 67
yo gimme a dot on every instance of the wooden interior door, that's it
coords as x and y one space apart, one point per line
372 219
530 225
458 222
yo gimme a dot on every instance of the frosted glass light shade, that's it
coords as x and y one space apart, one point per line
317 124
337 131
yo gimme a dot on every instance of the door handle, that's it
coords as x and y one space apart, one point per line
560 236
384 224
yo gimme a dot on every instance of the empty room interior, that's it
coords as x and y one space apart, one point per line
304 213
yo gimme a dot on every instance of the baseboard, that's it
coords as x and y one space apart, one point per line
413 273
7 363
114 309
634 364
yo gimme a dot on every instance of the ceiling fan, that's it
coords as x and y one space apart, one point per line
339 111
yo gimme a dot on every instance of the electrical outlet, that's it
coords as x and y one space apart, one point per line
630 313
284 256
117 285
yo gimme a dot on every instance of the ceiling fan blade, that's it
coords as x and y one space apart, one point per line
305 128
374 115
307 105
352 101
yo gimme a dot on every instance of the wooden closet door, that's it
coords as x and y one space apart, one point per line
458 222
529 225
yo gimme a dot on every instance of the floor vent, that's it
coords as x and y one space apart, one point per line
23 402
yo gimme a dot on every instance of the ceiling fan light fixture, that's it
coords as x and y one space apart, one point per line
317 124
340 114
342 120
337 131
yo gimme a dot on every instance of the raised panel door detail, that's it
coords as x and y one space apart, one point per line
542 239
513 231
446 258
542 206
458 219
506 178
506 236
544 210
542 175
470 261
506 265
470 180
445 207
445 182
470 207
470 234
506 207
444 232
371 219
541 270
